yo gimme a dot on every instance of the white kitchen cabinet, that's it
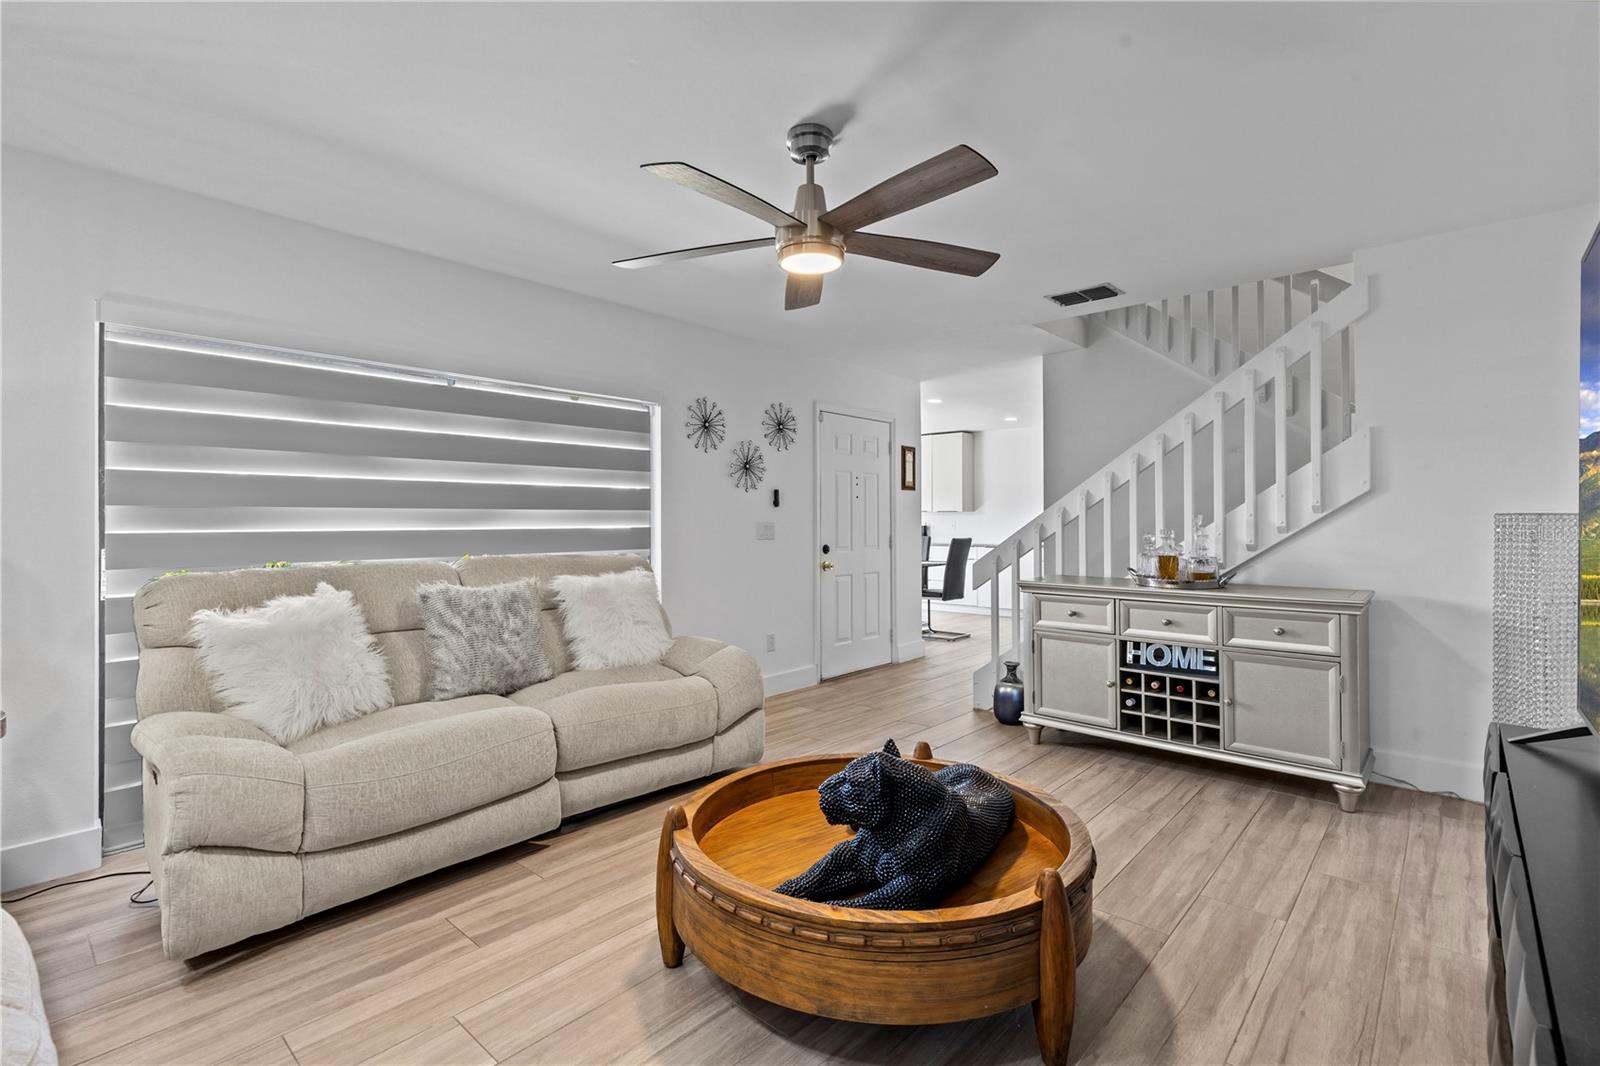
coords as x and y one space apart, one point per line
947 472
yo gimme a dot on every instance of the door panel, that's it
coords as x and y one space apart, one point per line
1280 707
843 596
872 511
1076 676
843 537
853 540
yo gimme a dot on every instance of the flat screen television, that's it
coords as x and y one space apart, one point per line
1589 487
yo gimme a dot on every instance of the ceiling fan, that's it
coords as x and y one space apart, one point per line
812 240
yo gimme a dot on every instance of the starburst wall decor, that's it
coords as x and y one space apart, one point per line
748 467
778 426
707 425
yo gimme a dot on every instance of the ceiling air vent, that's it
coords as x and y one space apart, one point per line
1083 296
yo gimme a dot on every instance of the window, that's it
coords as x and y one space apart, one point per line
218 455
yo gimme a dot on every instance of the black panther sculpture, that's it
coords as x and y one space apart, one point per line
918 833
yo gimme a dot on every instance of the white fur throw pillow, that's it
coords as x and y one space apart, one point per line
612 619
294 664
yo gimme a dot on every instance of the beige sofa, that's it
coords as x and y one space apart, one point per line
246 835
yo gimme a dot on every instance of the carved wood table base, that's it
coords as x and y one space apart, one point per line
1013 935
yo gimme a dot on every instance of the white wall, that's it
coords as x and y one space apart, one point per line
1467 368
1099 400
74 235
1008 487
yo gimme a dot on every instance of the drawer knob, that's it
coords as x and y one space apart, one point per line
1166 621
1278 631
1227 701
1111 684
1071 613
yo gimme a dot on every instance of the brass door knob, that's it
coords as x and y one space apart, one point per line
827 564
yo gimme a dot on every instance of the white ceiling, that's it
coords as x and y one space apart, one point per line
996 395
1160 147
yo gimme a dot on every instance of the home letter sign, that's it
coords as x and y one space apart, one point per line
1179 658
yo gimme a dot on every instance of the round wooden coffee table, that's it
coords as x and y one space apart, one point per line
1012 935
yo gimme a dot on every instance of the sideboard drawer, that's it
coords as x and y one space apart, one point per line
1168 621
1095 613
1312 632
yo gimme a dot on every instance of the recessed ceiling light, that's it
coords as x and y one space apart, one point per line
1011 418
935 400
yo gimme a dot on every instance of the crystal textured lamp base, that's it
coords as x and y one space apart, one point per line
1535 620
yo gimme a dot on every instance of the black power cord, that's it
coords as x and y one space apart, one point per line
84 881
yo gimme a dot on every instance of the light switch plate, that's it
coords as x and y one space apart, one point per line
766 531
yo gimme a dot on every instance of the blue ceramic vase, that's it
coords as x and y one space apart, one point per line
1008 697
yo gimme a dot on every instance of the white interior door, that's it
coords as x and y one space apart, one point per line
855 492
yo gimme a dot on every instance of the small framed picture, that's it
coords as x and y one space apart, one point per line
908 468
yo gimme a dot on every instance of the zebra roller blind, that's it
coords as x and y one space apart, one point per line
219 455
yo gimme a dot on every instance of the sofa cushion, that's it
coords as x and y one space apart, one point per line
392 718
608 720
413 772
578 680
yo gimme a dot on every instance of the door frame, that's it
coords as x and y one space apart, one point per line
820 408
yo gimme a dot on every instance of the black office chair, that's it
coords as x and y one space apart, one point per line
954 587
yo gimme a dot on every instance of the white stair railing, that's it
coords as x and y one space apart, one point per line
1210 334
1266 515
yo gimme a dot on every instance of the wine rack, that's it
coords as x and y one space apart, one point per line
1168 705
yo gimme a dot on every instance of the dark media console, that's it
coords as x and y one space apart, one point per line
1542 853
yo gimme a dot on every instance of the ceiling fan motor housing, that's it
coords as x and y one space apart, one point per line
809 140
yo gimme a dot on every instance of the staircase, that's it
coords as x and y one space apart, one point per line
1271 467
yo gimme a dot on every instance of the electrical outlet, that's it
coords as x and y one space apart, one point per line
772 642
766 531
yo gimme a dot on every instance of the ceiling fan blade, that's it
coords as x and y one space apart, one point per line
711 185
691 253
802 290
929 180
930 255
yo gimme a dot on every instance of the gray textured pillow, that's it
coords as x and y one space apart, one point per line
483 638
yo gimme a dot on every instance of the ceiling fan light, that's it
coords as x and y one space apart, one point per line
810 257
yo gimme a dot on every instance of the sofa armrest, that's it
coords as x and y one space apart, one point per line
217 781
732 672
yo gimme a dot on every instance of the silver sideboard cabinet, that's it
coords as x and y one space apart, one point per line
1268 676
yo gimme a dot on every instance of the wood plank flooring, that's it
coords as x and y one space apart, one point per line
1241 918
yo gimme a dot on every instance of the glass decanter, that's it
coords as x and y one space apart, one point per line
1199 560
1168 557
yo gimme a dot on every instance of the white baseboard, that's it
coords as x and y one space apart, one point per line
911 649
1431 774
50 858
789 680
